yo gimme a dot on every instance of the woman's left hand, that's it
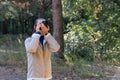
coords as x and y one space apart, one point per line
44 29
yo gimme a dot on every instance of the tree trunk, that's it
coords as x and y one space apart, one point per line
41 13
4 27
58 26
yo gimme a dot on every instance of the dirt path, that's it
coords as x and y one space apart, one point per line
117 74
12 73
17 73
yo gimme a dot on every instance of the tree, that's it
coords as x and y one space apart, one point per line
58 26
7 11
96 24
21 14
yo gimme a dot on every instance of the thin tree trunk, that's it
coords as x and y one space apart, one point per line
41 13
58 26
4 27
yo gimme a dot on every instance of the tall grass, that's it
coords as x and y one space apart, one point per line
12 50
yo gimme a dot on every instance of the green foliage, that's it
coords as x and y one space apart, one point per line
19 16
78 45
93 28
7 10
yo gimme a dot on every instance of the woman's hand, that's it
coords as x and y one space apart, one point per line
44 29
38 27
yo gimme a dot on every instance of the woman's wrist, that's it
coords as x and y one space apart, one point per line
46 33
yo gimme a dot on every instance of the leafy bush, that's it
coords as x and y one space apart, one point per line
77 44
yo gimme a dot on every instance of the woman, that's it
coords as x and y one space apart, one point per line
39 47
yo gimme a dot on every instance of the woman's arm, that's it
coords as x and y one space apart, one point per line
53 44
31 44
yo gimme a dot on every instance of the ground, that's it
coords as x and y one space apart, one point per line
19 73
12 73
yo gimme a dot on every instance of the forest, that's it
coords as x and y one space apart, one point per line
88 32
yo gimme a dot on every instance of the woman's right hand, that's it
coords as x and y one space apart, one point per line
38 28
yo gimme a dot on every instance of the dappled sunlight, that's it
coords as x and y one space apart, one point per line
19 41
2 51
9 51
91 32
